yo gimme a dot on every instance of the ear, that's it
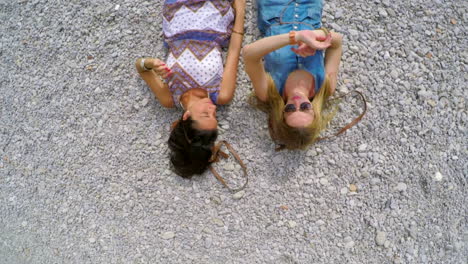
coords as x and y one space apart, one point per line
186 115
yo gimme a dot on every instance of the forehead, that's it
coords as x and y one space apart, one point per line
204 123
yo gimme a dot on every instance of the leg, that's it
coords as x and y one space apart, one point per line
160 89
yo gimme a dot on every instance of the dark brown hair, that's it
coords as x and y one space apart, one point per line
191 148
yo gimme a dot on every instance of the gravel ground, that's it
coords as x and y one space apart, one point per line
84 171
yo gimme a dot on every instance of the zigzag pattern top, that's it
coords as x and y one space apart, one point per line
194 31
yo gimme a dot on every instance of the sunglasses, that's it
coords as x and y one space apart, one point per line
290 108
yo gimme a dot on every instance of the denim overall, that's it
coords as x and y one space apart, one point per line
281 16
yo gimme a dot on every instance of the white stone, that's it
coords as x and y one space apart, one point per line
401 187
168 235
324 181
344 190
229 167
218 222
362 147
238 195
380 238
292 224
438 176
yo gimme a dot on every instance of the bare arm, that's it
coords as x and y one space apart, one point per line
253 54
228 84
332 59
160 89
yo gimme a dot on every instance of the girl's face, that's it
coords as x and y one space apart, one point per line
200 108
298 111
203 112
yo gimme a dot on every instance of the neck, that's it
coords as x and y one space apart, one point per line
299 83
191 96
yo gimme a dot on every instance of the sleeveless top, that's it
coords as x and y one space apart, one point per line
281 16
195 31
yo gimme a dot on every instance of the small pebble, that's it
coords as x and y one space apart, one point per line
348 242
218 222
438 177
344 190
352 188
323 181
238 195
380 238
362 147
382 12
401 187
292 224
229 167
168 235
216 200
144 102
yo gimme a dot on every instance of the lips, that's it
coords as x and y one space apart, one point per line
296 97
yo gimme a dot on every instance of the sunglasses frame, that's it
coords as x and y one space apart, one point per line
300 108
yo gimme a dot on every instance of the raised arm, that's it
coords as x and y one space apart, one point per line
228 84
150 72
253 54
332 59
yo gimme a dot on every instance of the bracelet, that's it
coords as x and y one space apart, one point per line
324 31
142 65
292 38
240 33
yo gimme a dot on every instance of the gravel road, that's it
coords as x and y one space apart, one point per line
84 171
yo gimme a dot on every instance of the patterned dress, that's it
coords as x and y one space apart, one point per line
195 31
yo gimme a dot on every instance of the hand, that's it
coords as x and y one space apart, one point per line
313 40
303 50
159 67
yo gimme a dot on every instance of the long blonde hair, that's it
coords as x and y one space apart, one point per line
292 137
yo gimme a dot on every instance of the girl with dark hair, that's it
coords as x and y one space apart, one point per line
193 76
294 82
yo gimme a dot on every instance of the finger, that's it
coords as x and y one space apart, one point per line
158 63
322 38
160 70
169 74
295 50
